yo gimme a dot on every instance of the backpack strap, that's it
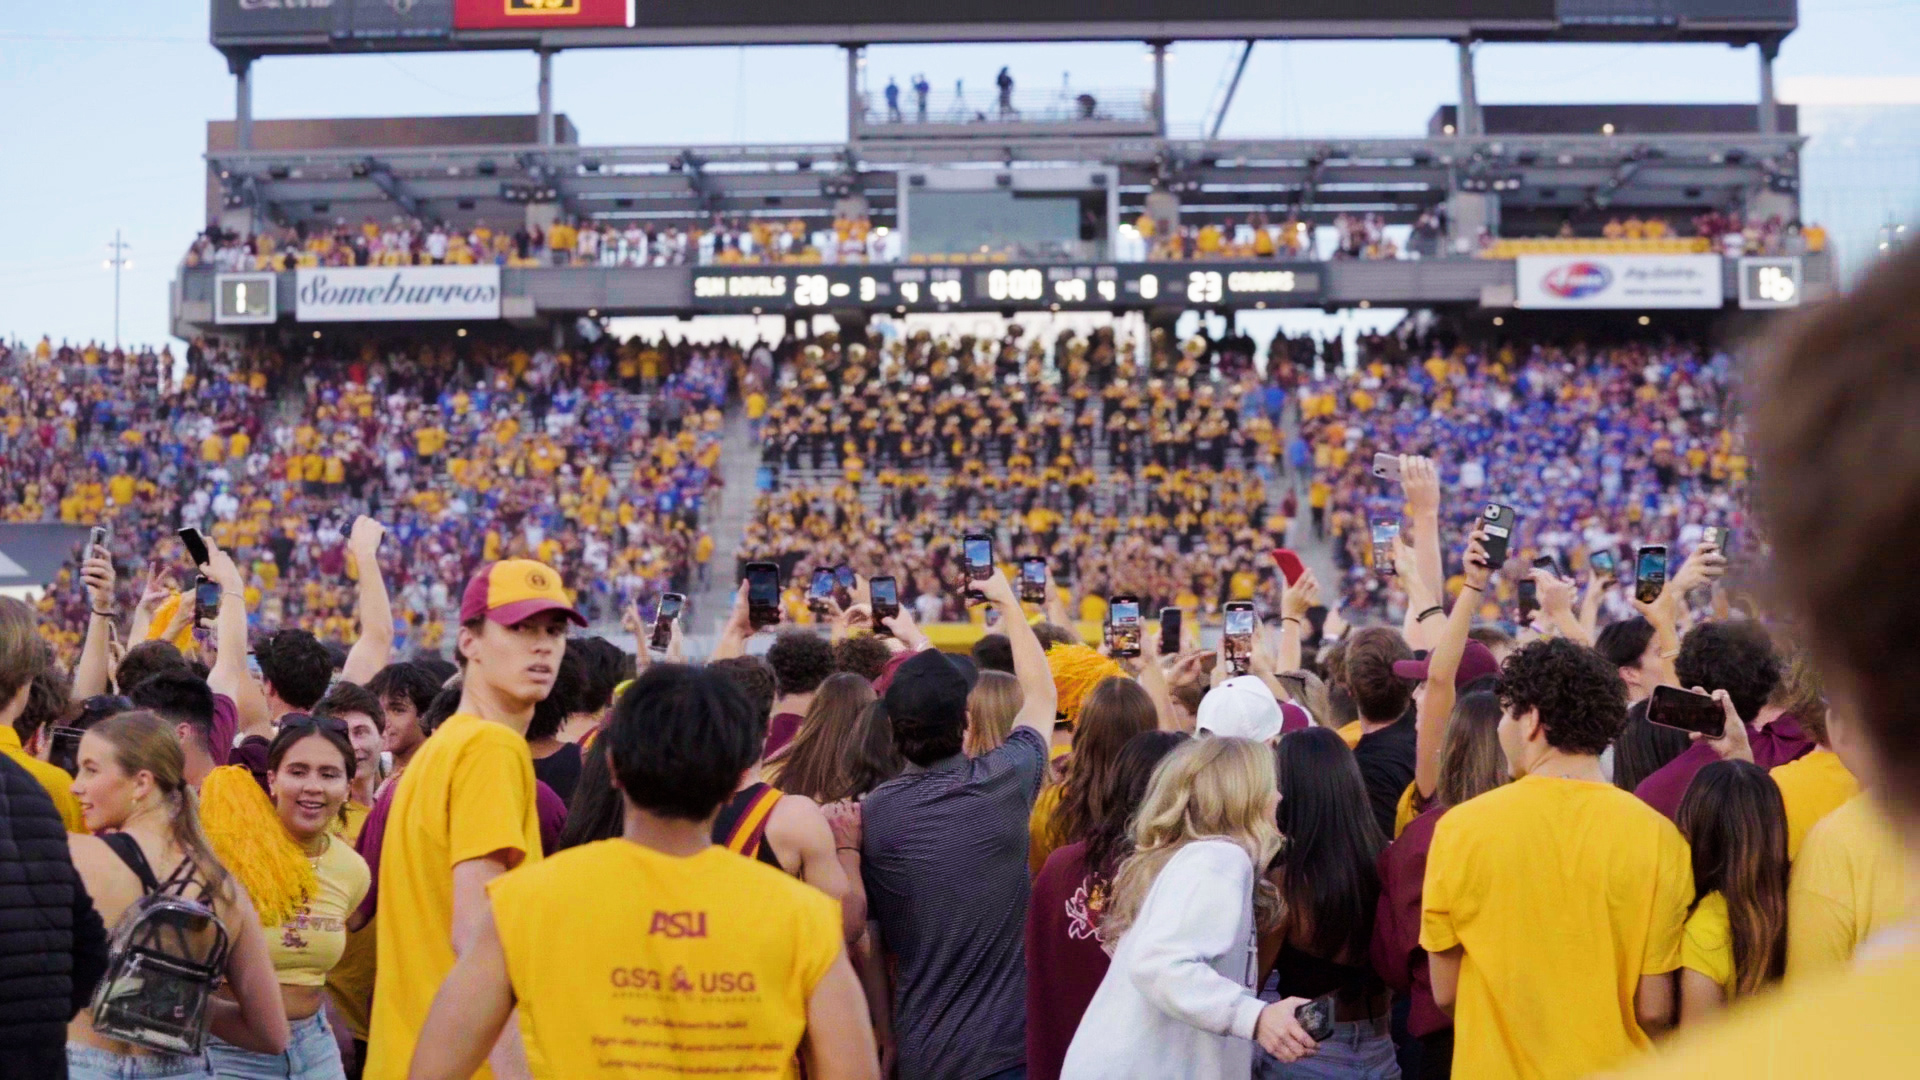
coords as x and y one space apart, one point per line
129 851
751 826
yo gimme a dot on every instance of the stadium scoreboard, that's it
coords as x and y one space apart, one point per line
1007 287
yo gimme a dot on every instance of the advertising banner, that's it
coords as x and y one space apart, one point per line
394 293
255 19
1618 281
391 20
540 14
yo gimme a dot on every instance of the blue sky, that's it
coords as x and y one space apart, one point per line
109 100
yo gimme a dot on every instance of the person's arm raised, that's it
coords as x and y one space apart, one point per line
1153 679
1295 602
1443 663
1556 600
733 637
229 675
1039 698
159 588
1420 479
1422 598
374 648
91 672
1590 605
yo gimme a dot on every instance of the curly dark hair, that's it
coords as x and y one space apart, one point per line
801 661
297 665
1732 655
863 655
1581 700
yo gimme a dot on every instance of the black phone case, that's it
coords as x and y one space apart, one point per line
1496 546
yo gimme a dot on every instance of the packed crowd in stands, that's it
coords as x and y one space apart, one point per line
412 242
598 460
1728 233
1597 449
1356 236
1162 482
1344 852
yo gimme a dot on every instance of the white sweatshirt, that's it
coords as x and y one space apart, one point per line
1178 1000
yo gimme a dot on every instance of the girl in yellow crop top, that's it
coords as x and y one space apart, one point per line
306 880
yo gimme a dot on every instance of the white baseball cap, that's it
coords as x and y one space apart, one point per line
1243 707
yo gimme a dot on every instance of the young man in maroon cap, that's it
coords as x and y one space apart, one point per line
464 812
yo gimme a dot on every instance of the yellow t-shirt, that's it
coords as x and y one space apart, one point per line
1563 893
1350 733
309 943
1812 787
1040 826
693 963
52 777
1708 945
1851 1024
1849 881
467 794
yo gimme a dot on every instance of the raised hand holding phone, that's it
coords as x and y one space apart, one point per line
1475 567
96 571
1420 480
1733 744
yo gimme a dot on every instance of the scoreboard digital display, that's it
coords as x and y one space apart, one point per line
245 299
1007 287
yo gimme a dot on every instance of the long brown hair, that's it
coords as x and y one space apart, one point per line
143 742
1471 761
1736 826
1115 710
815 763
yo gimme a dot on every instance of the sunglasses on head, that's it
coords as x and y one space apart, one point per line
316 723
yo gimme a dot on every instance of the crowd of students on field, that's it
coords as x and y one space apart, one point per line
1378 853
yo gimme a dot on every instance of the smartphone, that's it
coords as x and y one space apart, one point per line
886 602
63 748
977 549
1497 522
196 547
1169 631
670 607
97 539
1601 563
1316 1017
844 577
1237 634
1123 625
1649 572
1673 707
1033 579
1548 563
1529 600
820 591
1289 563
206 600
1387 467
1384 534
1718 535
763 594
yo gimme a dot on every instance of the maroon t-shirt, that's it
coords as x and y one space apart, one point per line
1776 744
781 730
373 832
226 724
1064 960
1396 951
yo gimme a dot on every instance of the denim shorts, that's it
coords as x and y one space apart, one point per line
1357 1050
85 1062
311 1055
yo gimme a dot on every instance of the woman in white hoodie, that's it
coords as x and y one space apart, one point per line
1179 999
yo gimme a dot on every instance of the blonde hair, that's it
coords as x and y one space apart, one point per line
1206 789
143 742
991 707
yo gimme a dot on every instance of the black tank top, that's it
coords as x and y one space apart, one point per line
742 824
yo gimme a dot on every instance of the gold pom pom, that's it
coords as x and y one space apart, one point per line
253 845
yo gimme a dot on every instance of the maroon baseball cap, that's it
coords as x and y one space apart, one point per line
512 591
1476 663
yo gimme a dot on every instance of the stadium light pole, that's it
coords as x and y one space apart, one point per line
116 262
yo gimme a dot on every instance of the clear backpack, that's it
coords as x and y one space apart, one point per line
167 956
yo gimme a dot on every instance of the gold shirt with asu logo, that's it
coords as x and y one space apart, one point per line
710 976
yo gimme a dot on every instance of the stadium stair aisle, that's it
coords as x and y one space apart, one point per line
739 466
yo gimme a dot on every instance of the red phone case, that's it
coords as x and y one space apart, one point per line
1290 565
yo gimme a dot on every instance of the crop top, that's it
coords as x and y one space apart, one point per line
307 946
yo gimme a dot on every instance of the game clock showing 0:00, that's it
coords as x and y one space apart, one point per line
981 288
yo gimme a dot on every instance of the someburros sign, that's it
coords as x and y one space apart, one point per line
1618 281
390 293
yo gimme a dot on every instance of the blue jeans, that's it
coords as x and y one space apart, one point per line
86 1062
311 1055
1357 1050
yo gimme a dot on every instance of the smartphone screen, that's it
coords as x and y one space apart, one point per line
670 607
886 598
1549 564
1033 579
843 576
98 538
1237 634
1601 563
1529 598
1649 573
820 589
1169 631
763 593
1123 616
206 601
1676 708
1384 534
979 554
